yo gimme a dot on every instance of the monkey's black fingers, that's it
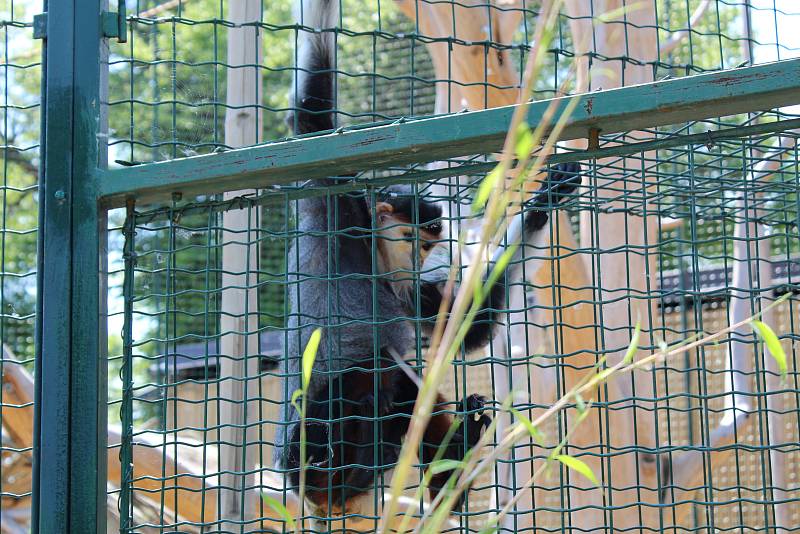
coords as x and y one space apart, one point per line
475 404
430 296
483 422
564 178
562 181
473 428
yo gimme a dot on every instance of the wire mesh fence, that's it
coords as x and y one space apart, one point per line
686 234
20 69
693 197
168 81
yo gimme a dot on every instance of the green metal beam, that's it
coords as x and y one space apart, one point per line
687 99
268 198
70 444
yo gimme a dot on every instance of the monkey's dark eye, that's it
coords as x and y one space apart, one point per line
426 246
408 235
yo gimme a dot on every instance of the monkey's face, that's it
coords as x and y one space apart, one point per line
402 246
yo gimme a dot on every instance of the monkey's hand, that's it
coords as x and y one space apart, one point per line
562 181
472 426
431 294
475 420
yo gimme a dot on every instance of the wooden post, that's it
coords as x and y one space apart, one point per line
752 269
239 452
472 76
476 77
620 271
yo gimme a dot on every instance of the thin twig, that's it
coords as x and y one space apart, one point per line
676 38
160 8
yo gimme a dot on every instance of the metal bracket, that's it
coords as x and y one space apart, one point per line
40 26
594 139
115 23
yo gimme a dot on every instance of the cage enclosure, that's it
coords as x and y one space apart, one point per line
168 159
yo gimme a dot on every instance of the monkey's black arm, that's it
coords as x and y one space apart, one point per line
561 182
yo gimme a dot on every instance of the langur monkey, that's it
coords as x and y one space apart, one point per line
360 398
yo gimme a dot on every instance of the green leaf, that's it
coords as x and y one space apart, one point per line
773 345
579 403
309 355
613 15
441 466
500 267
524 145
294 402
280 509
535 433
577 465
634 346
486 187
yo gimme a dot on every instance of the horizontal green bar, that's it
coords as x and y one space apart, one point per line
275 198
693 98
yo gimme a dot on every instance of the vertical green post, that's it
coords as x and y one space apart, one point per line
71 442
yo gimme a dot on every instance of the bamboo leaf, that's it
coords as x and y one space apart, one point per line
634 346
280 509
309 355
579 403
441 466
577 465
294 402
602 375
535 433
486 187
524 143
614 14
499 268
773 345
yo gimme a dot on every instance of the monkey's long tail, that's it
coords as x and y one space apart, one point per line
314 95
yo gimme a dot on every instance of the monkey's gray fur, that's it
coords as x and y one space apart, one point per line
334 282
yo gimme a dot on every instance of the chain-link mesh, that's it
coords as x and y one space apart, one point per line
168 82
20 71
692 197
685 237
